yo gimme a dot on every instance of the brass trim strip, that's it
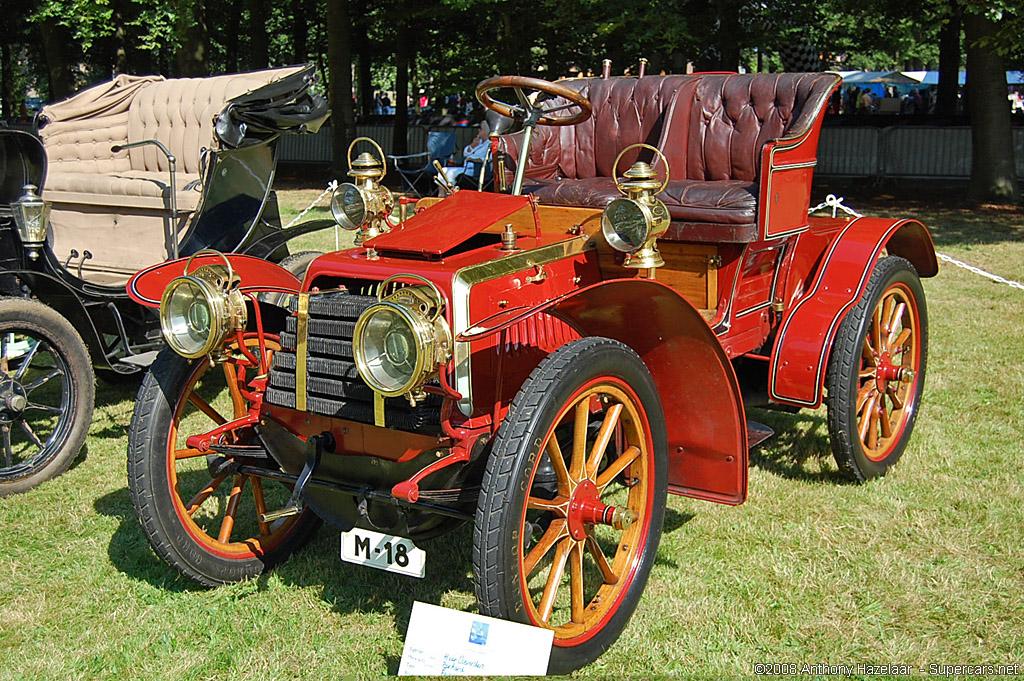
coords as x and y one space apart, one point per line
378 409
468 277
301 354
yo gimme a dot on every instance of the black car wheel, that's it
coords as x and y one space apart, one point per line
573 499
875 375
199 516
46 394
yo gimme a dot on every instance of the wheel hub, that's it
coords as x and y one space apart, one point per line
887 371
13 400
585 508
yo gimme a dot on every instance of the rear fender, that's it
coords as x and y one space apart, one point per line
800 355
704 416
147 286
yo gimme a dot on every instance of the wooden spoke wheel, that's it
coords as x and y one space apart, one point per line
876 371
199 515
573 500
46 394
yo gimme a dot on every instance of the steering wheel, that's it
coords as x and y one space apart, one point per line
528 108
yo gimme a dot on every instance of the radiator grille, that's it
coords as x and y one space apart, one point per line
333 385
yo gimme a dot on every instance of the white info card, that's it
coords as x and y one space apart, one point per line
444 642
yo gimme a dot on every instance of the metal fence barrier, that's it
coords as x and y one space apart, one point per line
903 151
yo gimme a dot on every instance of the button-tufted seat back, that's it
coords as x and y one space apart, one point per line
711 128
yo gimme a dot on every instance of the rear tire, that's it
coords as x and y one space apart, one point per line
876 370
549 482
46 394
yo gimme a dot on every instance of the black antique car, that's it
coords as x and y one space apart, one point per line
121 176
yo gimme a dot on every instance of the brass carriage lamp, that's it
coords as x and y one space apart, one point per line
633 223
364 204
32 216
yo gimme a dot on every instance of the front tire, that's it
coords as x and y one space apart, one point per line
46 394
875 375
583 444
203 523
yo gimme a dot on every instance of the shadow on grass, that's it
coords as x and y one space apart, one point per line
942 206
800 448
129 551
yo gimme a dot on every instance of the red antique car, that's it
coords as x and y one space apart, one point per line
545 363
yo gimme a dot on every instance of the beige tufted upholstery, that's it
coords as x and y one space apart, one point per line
115 204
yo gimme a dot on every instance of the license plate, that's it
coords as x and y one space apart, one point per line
383 551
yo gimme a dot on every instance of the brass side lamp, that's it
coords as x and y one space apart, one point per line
365 204
633 223
32 216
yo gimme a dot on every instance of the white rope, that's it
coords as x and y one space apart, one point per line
330 188
987 275
836 203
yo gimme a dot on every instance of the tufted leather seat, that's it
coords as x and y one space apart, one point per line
711 127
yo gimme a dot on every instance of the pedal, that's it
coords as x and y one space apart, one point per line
313 456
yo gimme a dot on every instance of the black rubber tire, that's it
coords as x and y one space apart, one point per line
68 435
297 264
892 276
155 503
511 473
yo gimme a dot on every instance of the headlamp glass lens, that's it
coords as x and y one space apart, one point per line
348 206
187 318
389 350
625 225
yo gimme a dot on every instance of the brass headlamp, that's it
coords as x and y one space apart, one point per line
365 204
400 341
200 309
32 217
632 224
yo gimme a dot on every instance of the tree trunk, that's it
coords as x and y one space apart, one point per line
300 32
399 143
55 39
195 41
949 65
259 42
339 64
993 173
7 84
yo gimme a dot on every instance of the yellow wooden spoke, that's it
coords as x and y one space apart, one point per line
204 494
604 435
556 530
601 561
576 582
558 463
228 523
547 599
615 467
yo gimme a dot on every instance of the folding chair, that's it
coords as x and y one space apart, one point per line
440 147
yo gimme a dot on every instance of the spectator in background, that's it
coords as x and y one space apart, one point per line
866 100
476 151
378 103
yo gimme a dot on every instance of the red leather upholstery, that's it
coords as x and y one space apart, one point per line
711 128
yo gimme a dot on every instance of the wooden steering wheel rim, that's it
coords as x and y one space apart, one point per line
484 88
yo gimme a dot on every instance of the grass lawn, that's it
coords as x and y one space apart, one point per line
925 566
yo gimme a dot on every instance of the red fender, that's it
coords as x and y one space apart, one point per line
147 286
707 430
798 361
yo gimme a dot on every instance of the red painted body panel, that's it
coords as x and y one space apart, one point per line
147 286
700 394
452 221
798 361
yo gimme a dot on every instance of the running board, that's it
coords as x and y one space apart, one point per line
757 433
141 360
